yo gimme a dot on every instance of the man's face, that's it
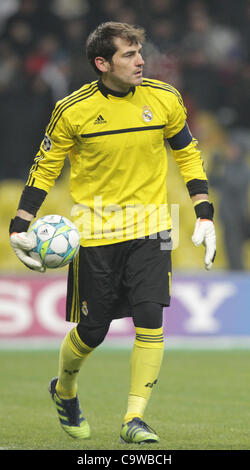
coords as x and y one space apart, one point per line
125 69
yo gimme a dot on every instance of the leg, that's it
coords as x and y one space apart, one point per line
76 348
147 280
146 356
145 365
63 388
78 343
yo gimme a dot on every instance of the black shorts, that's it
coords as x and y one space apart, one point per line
105 282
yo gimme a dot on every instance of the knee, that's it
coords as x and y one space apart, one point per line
148 315
92 336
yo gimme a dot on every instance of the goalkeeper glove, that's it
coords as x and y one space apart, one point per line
204 232
22 242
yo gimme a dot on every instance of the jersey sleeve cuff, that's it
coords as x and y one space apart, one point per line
32 199
197 186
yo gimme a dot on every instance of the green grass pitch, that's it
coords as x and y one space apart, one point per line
201 401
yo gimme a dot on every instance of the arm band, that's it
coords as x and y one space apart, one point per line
180 140
204 210
196 186
32 199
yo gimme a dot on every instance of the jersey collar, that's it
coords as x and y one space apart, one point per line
107 91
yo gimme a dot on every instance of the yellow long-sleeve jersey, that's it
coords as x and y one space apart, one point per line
116 147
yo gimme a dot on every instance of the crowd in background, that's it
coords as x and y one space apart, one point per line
200 47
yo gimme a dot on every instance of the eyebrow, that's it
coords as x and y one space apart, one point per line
131 52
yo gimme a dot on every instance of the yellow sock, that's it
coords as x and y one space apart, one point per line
145 365
73 353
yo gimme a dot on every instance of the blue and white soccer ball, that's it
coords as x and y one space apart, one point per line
57 241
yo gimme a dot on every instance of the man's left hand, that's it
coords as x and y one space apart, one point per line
204 233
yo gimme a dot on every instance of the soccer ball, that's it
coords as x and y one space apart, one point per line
57 241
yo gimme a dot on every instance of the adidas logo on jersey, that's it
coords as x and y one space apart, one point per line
100 120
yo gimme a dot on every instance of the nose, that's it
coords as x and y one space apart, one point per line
139 61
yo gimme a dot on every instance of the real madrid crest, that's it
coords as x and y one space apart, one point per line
147 114
84 308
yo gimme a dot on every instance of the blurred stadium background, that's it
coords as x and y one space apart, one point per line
200 47
203 49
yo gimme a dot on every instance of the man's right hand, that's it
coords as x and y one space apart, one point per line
22 243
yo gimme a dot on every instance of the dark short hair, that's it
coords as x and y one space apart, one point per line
100 42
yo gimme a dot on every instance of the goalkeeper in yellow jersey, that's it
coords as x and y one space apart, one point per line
114 131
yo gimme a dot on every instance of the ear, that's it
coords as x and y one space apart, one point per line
102 64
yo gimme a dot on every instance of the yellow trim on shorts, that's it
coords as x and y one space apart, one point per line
75 307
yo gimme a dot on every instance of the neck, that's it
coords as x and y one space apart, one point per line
105 90
115 85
